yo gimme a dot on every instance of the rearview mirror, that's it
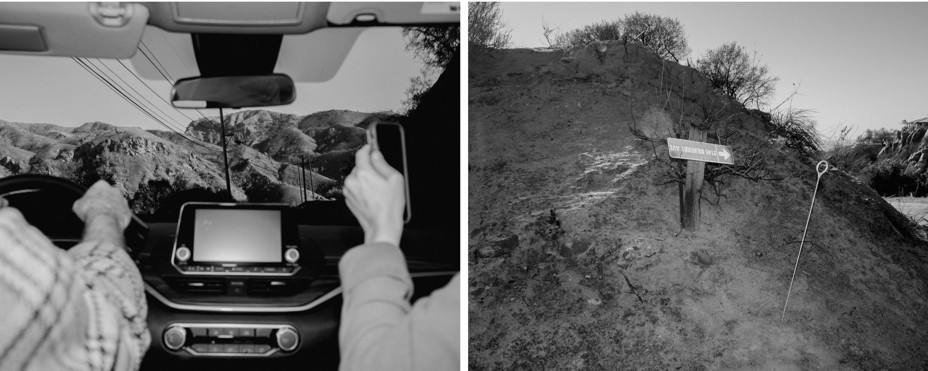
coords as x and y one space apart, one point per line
233 91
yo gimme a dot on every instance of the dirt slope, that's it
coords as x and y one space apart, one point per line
577 260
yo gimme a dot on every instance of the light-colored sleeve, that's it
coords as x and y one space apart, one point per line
380 330
76 310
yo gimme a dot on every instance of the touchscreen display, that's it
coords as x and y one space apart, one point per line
237 236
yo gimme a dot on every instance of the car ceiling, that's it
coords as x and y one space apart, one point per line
317 36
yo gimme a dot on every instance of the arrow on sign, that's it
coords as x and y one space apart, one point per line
700 151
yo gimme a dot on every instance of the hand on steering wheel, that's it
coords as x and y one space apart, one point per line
103 199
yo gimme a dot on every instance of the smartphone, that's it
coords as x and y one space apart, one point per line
389 139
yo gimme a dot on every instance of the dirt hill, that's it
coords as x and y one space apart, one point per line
577 258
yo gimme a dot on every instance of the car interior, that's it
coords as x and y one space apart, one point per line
232 284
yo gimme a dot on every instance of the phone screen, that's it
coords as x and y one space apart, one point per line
391 143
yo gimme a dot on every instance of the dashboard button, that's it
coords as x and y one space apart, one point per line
270 269
221 333
200 348
262 348
287 339
262 332
182 254
230 348
175 337
214 348
198 331
238 269
246 348
292 255
245 332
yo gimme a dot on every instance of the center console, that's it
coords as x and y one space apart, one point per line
237 340
231 272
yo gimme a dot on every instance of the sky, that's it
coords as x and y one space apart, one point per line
863 65
56 90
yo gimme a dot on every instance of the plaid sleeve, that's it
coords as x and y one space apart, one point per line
77 310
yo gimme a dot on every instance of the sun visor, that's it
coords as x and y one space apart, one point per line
95 30
384 13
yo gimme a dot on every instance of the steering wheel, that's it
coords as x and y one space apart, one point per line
45 201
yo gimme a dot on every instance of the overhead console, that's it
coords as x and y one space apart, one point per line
238 17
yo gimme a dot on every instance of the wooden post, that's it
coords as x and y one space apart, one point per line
691 191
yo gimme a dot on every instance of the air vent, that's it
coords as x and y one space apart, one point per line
202 285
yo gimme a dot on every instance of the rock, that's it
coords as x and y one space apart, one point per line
498 245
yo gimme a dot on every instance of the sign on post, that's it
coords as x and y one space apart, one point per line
699 151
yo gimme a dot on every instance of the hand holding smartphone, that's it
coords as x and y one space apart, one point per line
389 139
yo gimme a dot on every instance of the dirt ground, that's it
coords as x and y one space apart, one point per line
577 260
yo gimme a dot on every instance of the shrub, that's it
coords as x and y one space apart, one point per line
602 31
486 28
797 127
663 35
737 74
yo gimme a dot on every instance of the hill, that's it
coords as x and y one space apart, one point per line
264 150
895 165
578 261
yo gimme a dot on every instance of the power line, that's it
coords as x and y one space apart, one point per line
153 63
152 90
176 53
87 66
166 74
139 95
101 77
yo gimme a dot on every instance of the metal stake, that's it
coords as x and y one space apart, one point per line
818 168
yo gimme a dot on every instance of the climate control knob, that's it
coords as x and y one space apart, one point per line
292 255
175 337
287 339
182 254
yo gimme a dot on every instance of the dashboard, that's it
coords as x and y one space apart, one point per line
244 286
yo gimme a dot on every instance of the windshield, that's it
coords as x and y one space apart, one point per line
86 119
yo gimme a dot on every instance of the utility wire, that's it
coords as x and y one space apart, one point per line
122 92
176 53
137 105
164 74
93 72
153 90
156 63
167 117
181 59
